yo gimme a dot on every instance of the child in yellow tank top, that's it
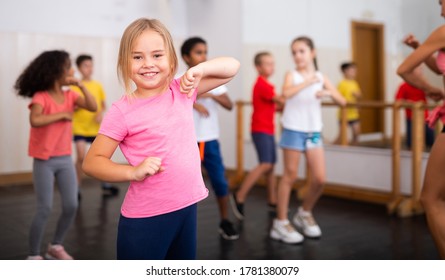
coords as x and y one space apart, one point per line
350 89
86 124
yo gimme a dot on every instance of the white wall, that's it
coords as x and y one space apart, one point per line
98 18
218 22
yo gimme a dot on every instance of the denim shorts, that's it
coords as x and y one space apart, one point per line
300 141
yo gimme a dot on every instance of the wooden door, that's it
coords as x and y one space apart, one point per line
368 53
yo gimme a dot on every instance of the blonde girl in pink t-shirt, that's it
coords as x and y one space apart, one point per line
51 110
153 126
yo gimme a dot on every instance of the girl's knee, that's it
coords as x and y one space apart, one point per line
220 187
71 207
79 160
44 211
267 167
319 182
428 199
424 201
290 177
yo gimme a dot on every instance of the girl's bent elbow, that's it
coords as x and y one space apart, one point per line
400 72
34 123
237 64
86 167
93 108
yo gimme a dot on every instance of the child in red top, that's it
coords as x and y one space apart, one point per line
263 130
51 111
407 92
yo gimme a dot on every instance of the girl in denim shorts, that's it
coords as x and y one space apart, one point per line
303 90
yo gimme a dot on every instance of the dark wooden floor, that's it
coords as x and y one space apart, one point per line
351 230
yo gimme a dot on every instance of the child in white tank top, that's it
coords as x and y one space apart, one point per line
303 89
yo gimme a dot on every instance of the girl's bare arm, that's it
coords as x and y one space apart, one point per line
209 75
290 89
98 163
434 42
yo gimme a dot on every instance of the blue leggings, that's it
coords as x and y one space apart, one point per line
170 236
44 173
213 163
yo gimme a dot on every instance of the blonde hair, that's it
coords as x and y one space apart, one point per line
131 33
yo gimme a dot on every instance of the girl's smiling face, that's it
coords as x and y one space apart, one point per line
150 69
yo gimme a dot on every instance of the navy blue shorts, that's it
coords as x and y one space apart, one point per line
88 139
351 122
214 166
265 147
170 236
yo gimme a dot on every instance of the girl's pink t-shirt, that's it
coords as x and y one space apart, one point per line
53 139
160 126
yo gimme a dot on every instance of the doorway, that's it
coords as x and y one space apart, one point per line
368 53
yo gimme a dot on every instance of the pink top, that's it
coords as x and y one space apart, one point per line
440 61
160 126
438 112
53 139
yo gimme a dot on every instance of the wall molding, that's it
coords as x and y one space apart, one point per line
12 179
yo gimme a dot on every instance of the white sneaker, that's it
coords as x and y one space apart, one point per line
284 231
306 222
